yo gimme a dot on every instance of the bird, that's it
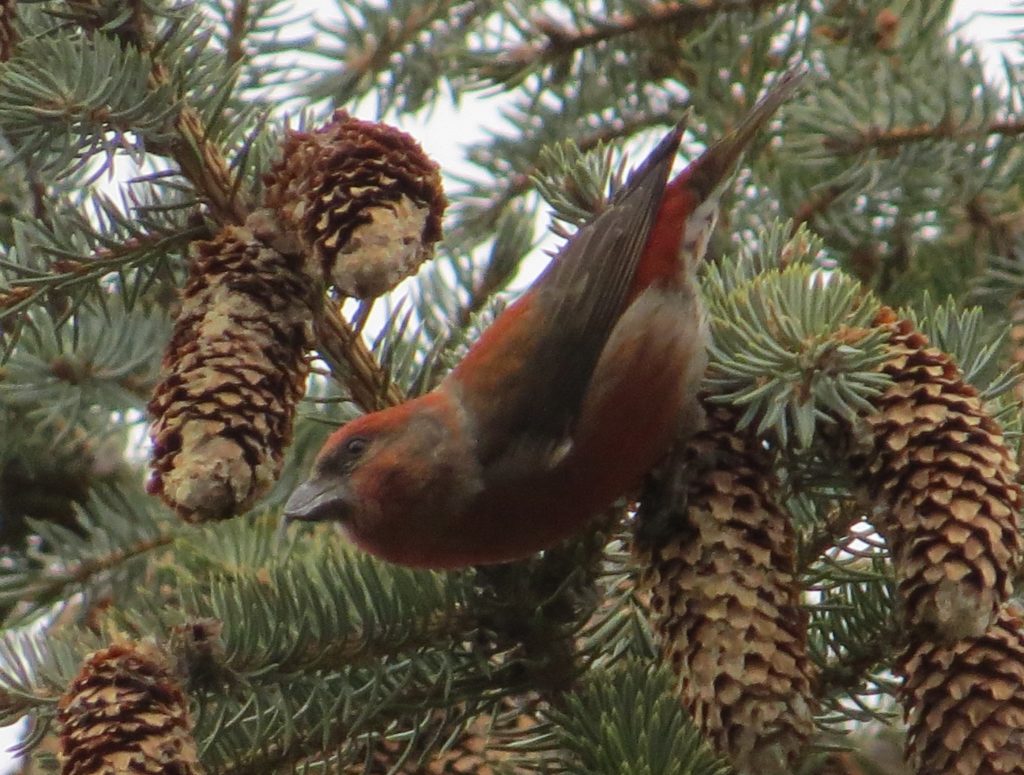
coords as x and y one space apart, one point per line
564 403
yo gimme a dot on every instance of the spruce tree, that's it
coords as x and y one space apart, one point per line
819 581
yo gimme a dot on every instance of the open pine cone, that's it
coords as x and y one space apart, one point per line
964 702
234 372
944 482
363 198
125 712
718 556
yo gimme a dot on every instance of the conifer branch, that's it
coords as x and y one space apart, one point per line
817 203
837 522
519 183
1003 230
238 24
877 138
52 583
401 687
402 30
346 353
8 33
69 271
561 42
404 48
203 164
198 159
843 678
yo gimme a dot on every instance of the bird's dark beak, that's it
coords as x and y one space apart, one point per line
318 499
716 163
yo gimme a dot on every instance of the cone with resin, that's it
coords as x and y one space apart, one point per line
234 372
363 199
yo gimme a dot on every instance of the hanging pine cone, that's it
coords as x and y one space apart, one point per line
945 483
718 558
364 199
126 713
964 702
234 372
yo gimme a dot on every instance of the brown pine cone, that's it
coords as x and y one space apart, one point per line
364 199
964 702
234 372
944 482
718 556
126 713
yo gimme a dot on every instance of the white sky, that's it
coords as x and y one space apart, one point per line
445 132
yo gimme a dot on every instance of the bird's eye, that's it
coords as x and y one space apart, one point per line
356 446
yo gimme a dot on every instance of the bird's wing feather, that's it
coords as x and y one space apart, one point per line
551 357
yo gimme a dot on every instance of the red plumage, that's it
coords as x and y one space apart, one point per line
563 404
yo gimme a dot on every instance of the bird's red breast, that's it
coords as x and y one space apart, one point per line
566 400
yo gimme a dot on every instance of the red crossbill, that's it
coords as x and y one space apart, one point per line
563 404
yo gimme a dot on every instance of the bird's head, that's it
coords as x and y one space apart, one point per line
386 475
338 482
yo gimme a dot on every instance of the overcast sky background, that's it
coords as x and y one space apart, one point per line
445 132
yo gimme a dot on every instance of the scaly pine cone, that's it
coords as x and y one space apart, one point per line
126 713
964 702
364 199
945 484
234 373
718 557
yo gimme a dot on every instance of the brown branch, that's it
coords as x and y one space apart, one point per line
8 33
69 270
206 168
561 42
347 354
518 183
889 139
237 28
837 524
198 160
400 32
87 569
844 677
816 204
1003 229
